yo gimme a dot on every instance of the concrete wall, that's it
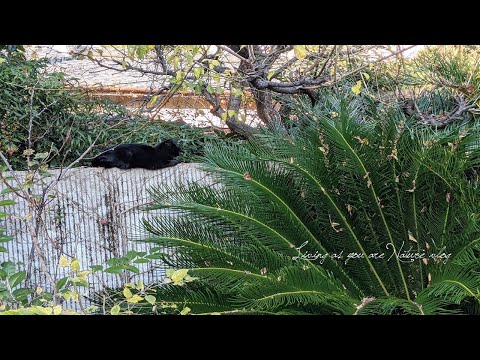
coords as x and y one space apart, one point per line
95 214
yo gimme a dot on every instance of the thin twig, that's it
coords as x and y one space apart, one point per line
230 51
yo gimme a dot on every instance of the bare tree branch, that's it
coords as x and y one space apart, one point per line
230 51
438 121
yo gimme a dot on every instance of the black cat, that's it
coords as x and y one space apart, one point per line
129 156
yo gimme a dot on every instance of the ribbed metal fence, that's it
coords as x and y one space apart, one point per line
94 215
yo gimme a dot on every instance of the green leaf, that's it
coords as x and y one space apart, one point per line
141 261
17 278
300 51
96 268
6 202
114 270
5 238
154 256
3 249
150 299
132 268
115 310
61 283
113 261
22 293
8 267
131 254
8 190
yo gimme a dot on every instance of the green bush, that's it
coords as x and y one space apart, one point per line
40 111
44 112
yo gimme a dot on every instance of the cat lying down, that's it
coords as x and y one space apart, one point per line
129 156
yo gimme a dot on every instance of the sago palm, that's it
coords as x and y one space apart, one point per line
352 211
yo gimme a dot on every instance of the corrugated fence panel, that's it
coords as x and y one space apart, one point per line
94 214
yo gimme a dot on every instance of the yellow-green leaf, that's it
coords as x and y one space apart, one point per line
270 74
39 290
197 72
64 261
127 293
47 310
153 100
135 299
231 113
115 310
237 92
57 310
224 116
75 265
185 311
366 75
300 51
129 285
356 88
179 275
91 308
180 75
140 285
150 299
83 274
